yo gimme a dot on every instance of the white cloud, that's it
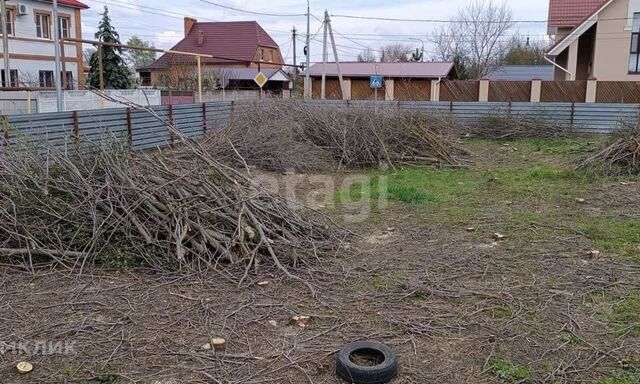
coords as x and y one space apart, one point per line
167 38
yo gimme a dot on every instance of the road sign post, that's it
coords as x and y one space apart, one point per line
261 79
376 82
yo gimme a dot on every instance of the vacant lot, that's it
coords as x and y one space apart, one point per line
423 274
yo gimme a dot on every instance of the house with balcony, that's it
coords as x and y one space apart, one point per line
31 44
595 38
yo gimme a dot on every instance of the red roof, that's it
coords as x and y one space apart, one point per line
570 13
70 3
236 40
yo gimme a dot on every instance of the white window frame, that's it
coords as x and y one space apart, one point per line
41 32
62 29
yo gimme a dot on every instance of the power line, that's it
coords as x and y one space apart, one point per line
436 21
255 12
150 10
442 21
155 10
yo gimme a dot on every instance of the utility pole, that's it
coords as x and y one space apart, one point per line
295 59
335 57
307 83
323 89
5 44
56 44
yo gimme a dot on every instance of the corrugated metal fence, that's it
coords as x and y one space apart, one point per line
582 118
142 130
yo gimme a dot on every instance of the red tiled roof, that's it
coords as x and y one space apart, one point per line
570 13
70 3
237 40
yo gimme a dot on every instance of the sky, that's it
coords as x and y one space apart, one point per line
161 21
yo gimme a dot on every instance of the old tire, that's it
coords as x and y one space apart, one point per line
381 367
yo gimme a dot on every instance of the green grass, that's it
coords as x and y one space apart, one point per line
622 378
532 194
625 316
508 371
619 236
543 181
431 186
560 147
413 186
502 313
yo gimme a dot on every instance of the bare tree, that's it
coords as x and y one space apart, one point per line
367 56
474 37
183 76
395 53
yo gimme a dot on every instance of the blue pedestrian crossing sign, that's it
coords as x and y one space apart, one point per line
376 82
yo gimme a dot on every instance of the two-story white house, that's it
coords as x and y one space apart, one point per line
31 44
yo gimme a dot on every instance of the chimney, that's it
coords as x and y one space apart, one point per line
189 23
201 38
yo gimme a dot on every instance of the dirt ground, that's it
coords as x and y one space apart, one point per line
422 274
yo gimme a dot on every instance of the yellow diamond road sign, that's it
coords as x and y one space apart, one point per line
261 79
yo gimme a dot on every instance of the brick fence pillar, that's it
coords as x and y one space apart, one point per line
592 90
536 90
389 89
484 90
435 90
347 89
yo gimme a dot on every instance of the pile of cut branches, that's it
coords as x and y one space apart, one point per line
505 127
278 135
177 209
621 153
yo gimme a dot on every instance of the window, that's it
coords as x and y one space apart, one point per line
43 25
14 78
634 66
146 79
65 27
69 78
46 79
10 22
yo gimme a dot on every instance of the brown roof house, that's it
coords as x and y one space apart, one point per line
412 81
239 50
595 38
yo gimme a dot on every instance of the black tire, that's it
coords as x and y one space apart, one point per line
382 373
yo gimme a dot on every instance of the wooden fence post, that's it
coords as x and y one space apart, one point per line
204 119
5 130
129 130
76 130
